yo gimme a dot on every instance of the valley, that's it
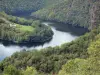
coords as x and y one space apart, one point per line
61 35
50 37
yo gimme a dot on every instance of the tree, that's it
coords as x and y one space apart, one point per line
89 66
11 70
36 23
30 71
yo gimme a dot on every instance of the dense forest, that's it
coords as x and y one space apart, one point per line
67 11
75 12
12 6
79 57
20 30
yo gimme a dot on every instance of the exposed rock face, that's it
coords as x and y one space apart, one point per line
95 14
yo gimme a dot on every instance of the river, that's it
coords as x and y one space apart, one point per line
63 33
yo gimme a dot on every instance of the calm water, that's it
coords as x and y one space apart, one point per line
62 34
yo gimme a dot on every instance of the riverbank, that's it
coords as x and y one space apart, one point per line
62 34
20 30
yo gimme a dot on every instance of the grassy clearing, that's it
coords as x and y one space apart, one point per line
25 28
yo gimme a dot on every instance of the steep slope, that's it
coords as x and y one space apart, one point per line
95 14
13 6
89 66
75 12
20 5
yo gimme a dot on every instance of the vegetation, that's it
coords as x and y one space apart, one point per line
12 6
89 66
11 70
50 60
79 57
20 30
20 6
74 12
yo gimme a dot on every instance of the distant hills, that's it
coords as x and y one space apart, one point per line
12 6
75 12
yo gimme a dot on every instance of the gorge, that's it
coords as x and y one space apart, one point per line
74 48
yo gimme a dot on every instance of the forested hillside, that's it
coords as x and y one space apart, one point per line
79 57
89 66
20 5
75 12
13 6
